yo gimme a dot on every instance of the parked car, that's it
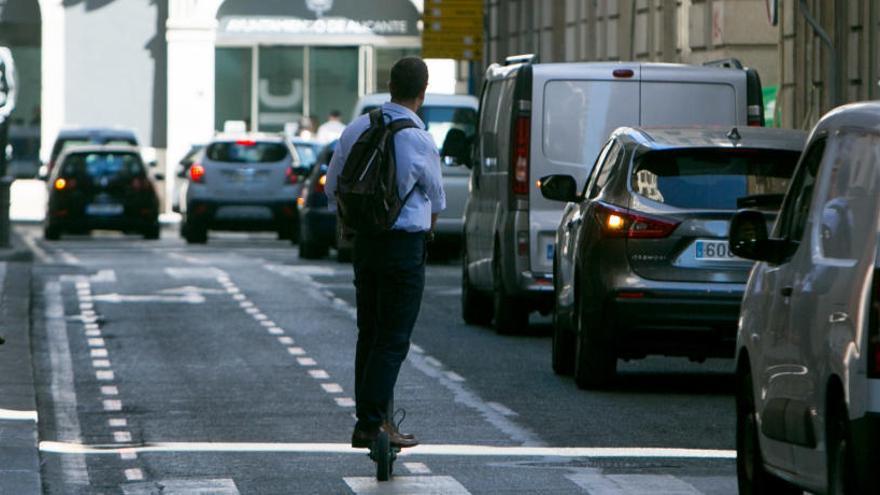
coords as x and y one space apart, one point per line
641 264
182 175
243 182
542 119
318 225
808 345
101 187
307 150
452 122
78 136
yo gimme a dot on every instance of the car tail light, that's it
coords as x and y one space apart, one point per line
290 176
621 222
520 162
874 329
63 184
755 116
246 142
197 173
322 182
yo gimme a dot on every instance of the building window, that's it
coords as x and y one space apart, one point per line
281 86
232 95
333 81
385 58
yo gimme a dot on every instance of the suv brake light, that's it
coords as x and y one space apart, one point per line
197 173
520 162
246 142
874 329
621 222
290 176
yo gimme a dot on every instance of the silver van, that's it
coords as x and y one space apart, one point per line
544 119
808 344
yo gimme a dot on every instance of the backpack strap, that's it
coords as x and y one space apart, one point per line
400 124
376 118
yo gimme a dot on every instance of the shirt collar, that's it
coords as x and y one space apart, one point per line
399 111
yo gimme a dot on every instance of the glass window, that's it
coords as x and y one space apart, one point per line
714 179
608 164
246 152
796 208
333 82
281 87
96 166
440 120
848 213
385 59
591 179
232 86
489 126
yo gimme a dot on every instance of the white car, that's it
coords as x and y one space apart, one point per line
808 344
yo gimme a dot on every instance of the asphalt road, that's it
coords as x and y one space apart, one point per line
228 368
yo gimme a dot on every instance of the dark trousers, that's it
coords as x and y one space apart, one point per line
389 275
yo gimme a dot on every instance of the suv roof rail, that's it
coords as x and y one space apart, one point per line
526 58
730 63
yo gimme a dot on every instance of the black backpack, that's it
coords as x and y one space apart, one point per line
366 193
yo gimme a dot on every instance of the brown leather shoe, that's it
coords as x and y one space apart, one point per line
389 426
363 439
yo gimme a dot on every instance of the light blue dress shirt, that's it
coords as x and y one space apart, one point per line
418 168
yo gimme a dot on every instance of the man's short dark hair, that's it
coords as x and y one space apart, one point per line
335 114
409 77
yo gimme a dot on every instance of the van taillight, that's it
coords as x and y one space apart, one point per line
874 329
520 162
621 222
755 116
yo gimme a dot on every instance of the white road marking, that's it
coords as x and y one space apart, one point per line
122 437
191 289
239 297
246 304
112 405
101 363
284 340
93 333
86 305
344 402
64 399
423 485
92 326
105 375
88 313
319 374
98 353
415 348
251 311
103 276
416 468
194 272
502 409
276 331
454 376
117 422
306 361
191 298
268 323
31 243
332 388
233 289
182 487
462 450
433 361
127 454
632 484
68 258
296 351
134 474
109 390
260 316
96 342
14 415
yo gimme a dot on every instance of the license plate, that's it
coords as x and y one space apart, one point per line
714 251
104 209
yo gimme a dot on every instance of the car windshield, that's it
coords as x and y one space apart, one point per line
308 153
97 166
246 152
714 179
440 120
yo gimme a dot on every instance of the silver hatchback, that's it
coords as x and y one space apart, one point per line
243 182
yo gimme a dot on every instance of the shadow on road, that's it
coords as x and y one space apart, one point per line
691 383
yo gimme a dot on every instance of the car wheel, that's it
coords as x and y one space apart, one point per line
343 255
751 476
195 235
511 315
311 251
51 233
153 232
476 308
841 472
595 357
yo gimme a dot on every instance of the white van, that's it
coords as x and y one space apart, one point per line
442 114
543 119
808 344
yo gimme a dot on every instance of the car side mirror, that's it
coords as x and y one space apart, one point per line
43 173
456 148
559 188
748 238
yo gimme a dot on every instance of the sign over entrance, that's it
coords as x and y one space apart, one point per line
279 18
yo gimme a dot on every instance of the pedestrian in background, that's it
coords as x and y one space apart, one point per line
332 129
389 265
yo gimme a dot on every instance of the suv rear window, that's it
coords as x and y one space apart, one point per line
103 165
246 152
715 179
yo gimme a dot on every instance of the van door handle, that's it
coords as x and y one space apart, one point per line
786 291
838 317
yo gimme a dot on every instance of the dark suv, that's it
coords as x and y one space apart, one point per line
641 264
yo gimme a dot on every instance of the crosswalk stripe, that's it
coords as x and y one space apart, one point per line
632 484
182 487
423 485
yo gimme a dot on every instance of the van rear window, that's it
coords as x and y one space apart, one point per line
96 166
714 179
246 152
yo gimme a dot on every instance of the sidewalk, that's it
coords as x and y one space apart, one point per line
19 452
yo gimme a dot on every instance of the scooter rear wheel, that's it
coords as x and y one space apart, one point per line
383 456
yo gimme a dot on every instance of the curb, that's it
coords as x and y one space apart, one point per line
19 451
